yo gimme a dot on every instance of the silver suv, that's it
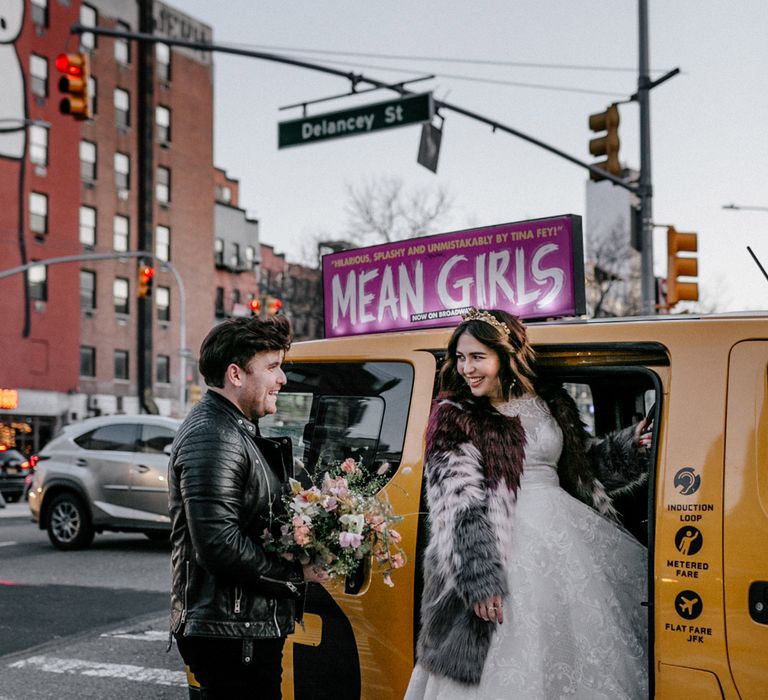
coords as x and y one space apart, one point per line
106 473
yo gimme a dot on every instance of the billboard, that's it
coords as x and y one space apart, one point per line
534 269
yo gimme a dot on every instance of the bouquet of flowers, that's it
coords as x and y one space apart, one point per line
339 522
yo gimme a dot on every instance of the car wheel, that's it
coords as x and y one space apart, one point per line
11 497
69 523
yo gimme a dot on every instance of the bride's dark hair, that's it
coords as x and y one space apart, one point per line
516 356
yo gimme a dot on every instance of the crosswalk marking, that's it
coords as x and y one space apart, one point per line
53 664
146 636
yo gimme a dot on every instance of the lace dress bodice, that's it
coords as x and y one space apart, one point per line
543 439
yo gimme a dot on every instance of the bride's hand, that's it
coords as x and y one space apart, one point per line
491 610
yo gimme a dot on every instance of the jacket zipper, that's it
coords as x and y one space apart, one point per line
274 617
288 584
238 598
269 490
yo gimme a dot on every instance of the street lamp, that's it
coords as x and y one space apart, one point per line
740 207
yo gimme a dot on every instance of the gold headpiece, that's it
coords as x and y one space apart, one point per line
476 315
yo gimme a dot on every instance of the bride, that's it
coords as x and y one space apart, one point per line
531 589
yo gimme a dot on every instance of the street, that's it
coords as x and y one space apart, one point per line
87 624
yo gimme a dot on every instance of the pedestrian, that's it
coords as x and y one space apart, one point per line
233 603
529 592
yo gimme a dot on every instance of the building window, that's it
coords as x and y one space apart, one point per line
121 364
163 243
250 256
38 145
120 231
38 71
223 194
264 282
120 295
38 212
163 61
37 278
88 226
40 12
163 369
234 259
92 85
219 309
163 185
87 161
122 108
235 296
163 301
122 171
163 123
87 361
218 251
87 290
122 46
87 19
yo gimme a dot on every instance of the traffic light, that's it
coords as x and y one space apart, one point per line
607 144
74 84
677 266
144 288
273 306
255 306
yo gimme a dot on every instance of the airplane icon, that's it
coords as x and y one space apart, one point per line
686 605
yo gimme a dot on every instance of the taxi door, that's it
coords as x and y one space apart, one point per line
745 523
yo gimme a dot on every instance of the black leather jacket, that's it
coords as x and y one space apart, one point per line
224 483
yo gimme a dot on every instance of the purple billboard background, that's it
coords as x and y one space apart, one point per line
534 269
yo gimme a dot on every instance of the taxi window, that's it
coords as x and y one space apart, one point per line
335 410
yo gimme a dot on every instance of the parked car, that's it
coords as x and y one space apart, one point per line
104 474
14 470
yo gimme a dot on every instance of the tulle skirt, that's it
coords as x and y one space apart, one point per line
574 625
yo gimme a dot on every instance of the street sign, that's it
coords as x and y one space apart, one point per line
361 120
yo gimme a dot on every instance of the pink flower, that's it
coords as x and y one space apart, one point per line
383 469
349 466
394 536
388 580
302 535
350 539
398 560
330 504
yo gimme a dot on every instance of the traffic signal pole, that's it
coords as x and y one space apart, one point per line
145 121
645 189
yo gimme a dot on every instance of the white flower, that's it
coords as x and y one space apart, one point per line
354 523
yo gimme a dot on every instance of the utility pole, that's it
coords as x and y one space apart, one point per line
145 121
645 189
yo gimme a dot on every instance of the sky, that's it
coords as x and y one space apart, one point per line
709 139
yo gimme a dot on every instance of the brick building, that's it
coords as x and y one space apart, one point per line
76 340
72 350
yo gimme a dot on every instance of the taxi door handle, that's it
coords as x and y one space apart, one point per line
141 468
80 462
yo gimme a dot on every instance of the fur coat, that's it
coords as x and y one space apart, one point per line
473 463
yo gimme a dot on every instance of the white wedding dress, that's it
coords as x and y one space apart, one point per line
574 626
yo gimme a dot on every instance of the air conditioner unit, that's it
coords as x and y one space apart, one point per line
92 403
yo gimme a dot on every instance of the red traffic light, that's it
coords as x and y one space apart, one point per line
74 84
71 64
255 306
273 306
146 273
